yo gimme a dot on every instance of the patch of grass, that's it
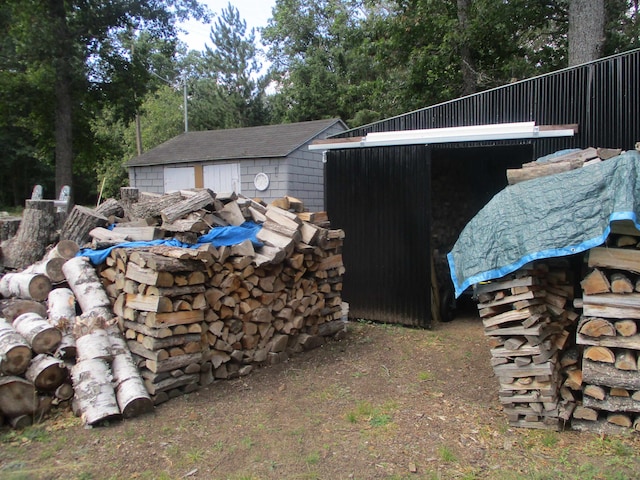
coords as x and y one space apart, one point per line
218 446
446 454
425 376
312 459
247 443
195 455
375 416
550 439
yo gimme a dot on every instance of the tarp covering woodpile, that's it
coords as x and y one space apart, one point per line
552 216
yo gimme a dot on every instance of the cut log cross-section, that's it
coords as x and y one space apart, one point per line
17 396
30 286
41 335
46 372
15 352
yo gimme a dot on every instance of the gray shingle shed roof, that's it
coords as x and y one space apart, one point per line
269 141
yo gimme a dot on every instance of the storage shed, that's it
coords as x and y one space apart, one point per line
402 207
266 162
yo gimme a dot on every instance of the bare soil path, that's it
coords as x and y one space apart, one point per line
386 402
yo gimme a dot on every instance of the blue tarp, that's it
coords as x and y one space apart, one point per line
547 217
217 236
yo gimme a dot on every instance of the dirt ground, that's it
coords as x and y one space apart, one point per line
386 402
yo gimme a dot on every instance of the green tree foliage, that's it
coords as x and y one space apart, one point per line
228 91
76 57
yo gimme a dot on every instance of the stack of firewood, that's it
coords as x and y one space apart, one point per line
192 315
608 330
527 316
560 163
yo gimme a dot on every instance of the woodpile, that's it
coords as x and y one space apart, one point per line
561 163
194 315
528 318
157 321
608 331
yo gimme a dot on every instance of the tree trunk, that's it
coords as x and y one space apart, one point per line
469 80
586 30
63 100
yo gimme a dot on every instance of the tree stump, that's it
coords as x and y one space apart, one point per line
80 222
36 231
15 352
9 227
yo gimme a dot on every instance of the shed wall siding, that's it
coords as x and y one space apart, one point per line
147 179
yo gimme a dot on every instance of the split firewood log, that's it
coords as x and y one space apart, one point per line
596 327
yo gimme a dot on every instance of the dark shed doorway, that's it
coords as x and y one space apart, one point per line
463 180
397 205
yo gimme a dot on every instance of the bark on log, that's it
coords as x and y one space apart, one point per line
152 208
17 396
51 267
46 373
62 308
80 222
30 286
85 284
94 393
36 231
15 352
66 249
41 335
110 207
16 307
200 200
94 345
9 227
133 398
128 196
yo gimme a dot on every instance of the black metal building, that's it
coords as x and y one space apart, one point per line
401 205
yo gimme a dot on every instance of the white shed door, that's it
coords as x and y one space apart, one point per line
222 178
179 178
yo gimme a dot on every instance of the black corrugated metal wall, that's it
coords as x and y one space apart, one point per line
388 275
381 197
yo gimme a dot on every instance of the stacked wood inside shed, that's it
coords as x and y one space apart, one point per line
528 318
608 332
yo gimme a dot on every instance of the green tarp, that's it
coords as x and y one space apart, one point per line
552 216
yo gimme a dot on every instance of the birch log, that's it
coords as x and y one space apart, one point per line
17 306
15 352
94 345
51 267
133 398
62 308
86 285
41 335
66 249
46 373
94 393
30 286
17 396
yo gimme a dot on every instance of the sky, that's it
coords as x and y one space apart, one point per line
255 12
